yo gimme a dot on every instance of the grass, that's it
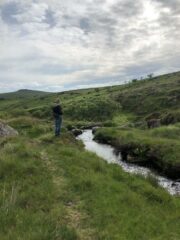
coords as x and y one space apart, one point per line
51 188
170 132
30 200
122 119
151 95
117 104
158 147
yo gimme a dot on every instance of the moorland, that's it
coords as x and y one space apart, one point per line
52 188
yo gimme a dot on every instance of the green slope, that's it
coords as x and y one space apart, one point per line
160 94
51 188
23 93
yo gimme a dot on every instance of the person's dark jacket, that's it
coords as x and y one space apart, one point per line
57 111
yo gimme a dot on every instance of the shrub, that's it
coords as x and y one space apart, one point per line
95 110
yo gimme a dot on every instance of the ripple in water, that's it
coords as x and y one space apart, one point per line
108 153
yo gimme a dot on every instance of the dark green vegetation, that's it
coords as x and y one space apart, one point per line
158 97
158 148
51 188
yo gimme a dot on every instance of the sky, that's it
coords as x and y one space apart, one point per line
56 45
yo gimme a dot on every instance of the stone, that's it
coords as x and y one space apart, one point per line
6 130
153 123
76 132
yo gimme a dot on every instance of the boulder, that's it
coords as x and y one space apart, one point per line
77 132
153 123
6 130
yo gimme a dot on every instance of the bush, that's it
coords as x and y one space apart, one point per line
41 112
95 110
170 132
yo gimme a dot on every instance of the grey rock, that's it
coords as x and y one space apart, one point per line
153 123
6 130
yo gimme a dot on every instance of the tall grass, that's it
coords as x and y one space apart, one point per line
51 188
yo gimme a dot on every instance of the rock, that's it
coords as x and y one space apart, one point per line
76 132
153 123
6 130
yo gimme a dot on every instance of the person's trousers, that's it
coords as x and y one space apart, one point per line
58 122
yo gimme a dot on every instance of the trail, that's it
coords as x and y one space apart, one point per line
73 217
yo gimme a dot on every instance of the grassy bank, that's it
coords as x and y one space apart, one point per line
158 148
51 188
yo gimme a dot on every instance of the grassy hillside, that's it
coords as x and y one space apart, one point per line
151 95
160 95
51 188
23 93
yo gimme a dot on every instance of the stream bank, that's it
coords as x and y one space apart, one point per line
109 153
141 148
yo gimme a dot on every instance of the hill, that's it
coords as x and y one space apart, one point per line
52 188
22 93
160 95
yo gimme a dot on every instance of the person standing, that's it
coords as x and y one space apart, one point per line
57 113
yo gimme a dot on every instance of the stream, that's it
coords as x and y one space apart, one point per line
108 153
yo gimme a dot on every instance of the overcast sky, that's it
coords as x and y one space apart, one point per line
56 45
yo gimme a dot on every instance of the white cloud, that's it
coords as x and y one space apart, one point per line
73 43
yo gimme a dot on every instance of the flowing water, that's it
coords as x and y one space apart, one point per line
109 154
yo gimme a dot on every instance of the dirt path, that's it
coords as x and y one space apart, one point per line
73 216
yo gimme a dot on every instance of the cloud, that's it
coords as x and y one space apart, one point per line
8 11
68 44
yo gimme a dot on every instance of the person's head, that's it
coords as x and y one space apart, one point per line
57 101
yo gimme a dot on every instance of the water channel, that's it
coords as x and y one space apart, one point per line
109 154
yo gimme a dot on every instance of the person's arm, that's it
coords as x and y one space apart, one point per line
53 111
60 110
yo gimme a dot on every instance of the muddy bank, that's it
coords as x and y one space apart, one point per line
141 154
